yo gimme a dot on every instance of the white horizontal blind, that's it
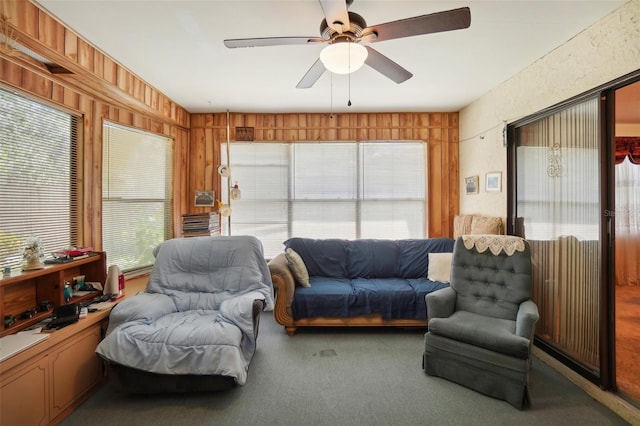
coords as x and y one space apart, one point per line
325 190
393 190
37 177
328 190
136 195
262 173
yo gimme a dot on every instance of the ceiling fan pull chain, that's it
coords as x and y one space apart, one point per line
349 103
331 97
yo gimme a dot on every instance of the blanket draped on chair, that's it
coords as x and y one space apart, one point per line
195 317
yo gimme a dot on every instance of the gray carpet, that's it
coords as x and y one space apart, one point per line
346 377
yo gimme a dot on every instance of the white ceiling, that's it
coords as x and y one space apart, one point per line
177 46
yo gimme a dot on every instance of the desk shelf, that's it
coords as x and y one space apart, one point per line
26 289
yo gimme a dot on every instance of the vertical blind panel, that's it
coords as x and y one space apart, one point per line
327 190
38 188
558 204
136 195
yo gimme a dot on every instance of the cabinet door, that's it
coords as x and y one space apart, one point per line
75 370
24 395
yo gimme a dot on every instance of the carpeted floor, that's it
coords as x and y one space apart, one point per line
346 377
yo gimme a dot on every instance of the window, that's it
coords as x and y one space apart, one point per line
37 177
328 190
136 195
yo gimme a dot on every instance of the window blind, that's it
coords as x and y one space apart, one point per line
136 195
328 190
38 191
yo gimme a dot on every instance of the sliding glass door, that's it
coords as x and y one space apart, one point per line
556 206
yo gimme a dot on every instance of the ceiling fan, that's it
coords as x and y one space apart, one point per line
346 29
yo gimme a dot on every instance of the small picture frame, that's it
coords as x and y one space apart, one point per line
205 198
471 185
493 182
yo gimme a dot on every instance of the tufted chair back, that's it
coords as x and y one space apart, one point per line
487 279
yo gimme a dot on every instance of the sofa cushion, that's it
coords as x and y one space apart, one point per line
495 334
392 298
413 255
369 258
323 257
325 297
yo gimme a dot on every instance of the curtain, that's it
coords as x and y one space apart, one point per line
627 219
558 212
628 147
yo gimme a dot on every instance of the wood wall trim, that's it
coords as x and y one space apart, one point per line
438 130
88 69
84 79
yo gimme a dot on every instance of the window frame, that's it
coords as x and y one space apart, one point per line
285 226
167 201
73 191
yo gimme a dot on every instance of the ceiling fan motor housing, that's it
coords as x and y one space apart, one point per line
357 24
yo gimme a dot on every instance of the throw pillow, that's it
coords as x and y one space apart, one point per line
486 225
440 267
298 268
461 225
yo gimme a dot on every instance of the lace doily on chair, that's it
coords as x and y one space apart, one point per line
496 243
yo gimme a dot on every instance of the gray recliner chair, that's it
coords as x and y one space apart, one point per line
481 327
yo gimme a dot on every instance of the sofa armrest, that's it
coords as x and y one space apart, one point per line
285 284
280 273
526 319
146 307
441 303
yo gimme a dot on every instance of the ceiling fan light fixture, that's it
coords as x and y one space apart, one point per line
344 57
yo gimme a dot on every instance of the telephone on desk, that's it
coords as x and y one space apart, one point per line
64 315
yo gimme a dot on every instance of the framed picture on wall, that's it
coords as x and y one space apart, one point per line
205 198
494 182
471 185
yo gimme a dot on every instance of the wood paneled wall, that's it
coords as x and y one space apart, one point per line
438 130
96 88
82 66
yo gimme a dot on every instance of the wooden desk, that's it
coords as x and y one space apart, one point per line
44 383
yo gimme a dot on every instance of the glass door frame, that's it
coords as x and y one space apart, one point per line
606 94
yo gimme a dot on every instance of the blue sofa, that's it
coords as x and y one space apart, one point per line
368 282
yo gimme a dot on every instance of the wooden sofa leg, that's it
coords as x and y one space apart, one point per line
290 330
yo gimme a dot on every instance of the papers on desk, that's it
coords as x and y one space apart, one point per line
101 306
16 343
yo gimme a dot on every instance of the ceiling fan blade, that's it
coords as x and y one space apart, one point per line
314 73
336 14
386 66
270 41
455 19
